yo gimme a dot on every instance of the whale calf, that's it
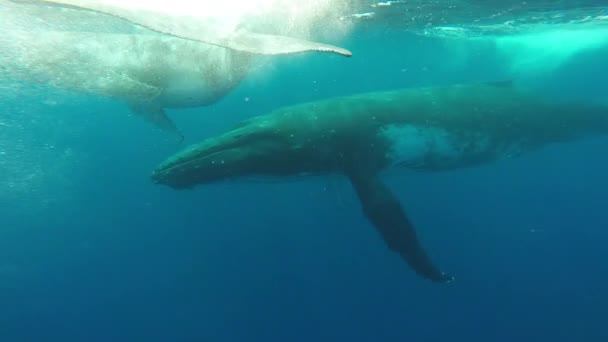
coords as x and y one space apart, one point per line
360 136
150 72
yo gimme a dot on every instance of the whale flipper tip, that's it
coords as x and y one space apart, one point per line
446 278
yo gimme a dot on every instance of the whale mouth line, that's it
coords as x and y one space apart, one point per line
184 163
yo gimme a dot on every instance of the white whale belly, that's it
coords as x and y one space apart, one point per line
189 91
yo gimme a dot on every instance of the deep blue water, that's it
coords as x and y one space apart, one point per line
116 258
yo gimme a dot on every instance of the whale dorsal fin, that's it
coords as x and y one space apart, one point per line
383 210
198 30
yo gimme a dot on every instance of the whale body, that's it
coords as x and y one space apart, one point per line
148 71
360 136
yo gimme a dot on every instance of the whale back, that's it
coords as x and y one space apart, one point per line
469 125
438 127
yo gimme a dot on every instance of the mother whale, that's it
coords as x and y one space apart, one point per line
148 71
433 128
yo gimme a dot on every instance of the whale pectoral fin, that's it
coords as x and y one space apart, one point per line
267 44
156 115
384 211
202 30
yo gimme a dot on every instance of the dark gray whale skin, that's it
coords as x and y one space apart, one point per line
359 136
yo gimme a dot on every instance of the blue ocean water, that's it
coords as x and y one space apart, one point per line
91 250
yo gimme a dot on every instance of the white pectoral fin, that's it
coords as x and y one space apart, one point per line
156 115
267 44
198 29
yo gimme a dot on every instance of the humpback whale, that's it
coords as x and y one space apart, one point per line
150 72
361 136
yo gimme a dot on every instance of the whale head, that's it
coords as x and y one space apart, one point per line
256 148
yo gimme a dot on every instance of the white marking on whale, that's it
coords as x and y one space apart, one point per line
424 147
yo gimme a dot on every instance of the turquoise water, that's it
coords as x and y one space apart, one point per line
92 250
